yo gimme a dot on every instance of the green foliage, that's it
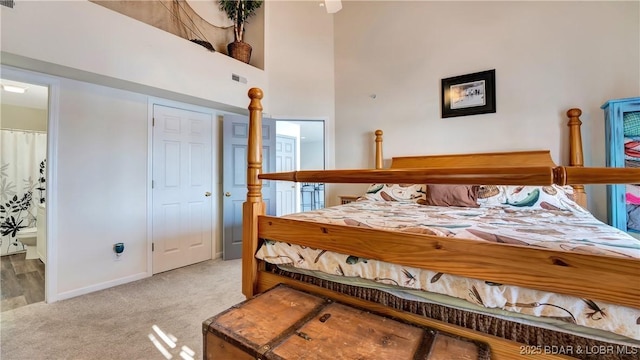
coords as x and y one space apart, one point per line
239 11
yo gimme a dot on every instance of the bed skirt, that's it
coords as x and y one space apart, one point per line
521 333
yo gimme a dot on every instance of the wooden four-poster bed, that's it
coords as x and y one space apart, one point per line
588 276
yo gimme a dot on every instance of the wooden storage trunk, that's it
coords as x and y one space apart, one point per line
284 323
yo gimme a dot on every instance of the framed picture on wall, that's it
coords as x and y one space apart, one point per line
469 94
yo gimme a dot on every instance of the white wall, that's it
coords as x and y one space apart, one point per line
299 63
85 41
312 155
185 19
25 118
102 191
548 56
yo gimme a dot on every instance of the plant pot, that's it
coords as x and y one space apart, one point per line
239 50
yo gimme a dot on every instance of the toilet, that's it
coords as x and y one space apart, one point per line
35 238
29 238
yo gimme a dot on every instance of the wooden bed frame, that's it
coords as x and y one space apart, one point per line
555 271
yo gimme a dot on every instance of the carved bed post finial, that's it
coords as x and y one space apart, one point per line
378 149
576 157
254 156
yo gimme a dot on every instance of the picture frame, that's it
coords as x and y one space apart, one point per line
469 94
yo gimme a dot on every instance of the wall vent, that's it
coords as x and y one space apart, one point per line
238 78
8 3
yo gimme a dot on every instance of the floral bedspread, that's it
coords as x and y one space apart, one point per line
569 230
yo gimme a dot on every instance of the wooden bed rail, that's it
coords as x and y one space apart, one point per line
568 175
600 277
538 175
496 175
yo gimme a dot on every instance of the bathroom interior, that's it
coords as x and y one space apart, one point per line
23 152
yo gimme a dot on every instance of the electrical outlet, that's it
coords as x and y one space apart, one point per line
118 250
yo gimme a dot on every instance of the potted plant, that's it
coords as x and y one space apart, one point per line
239 11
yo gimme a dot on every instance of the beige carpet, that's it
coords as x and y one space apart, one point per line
115 323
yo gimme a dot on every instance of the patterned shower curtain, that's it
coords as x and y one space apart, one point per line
22 184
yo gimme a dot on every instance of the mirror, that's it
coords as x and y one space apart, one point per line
300 145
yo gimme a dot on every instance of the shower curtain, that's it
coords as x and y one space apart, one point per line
22 184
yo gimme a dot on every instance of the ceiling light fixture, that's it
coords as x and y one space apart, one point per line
333 6
14 89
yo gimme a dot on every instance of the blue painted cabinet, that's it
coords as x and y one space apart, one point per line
622 122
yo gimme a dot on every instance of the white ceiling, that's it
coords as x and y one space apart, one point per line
35 97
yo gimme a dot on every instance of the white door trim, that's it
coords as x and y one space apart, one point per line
51 197
215 179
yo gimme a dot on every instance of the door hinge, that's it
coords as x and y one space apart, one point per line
153 121
153 247
152 184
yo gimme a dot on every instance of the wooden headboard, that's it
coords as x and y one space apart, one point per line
503 159
506 159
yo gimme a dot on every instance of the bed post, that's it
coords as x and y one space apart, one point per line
254 206
378 149
576 158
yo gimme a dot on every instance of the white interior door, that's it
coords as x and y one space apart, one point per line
235 131
285 161
182 184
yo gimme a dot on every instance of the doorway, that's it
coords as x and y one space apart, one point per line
235 130
182 187
23 190
309 155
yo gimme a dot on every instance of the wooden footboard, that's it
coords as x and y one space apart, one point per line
603 278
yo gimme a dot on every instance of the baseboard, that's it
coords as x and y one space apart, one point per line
218 255
101 286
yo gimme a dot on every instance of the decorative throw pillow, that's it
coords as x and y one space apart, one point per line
452 195
396 192
491 195
552 197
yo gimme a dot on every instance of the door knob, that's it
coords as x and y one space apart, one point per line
227 194
207 194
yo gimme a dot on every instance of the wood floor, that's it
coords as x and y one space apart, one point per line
22 281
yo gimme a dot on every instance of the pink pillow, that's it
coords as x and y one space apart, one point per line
633 194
